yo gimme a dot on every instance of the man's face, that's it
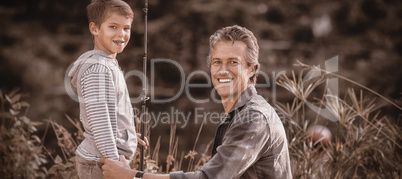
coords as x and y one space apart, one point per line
113 34
229 70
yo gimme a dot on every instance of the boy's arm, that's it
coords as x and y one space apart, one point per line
100 102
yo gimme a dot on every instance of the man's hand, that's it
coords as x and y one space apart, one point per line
115 169
121 169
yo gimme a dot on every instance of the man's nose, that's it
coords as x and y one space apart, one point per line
223 72
224 67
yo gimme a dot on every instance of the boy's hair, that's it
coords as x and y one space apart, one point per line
237 33
99 10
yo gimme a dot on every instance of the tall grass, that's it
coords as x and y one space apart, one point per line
194 159
367 144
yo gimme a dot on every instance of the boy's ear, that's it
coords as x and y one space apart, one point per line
93 28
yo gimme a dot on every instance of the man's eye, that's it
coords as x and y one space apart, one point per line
233 62
216 62
113 27
127 29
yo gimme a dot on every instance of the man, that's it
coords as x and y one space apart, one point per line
251 142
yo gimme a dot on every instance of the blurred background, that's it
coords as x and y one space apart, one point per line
39 39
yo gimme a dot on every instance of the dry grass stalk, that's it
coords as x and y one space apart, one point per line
170 158
205 157
193 153
64 140
366 144
348 80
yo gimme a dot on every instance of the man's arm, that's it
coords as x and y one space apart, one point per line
243 144
121 169
100 102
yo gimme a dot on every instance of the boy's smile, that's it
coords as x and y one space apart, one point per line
113 34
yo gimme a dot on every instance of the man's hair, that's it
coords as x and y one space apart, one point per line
99 10
237 33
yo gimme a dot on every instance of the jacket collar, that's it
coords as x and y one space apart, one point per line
243 100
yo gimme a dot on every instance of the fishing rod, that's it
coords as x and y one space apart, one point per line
144 97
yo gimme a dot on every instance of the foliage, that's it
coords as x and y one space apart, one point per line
366 144
21 154
67 143
63 170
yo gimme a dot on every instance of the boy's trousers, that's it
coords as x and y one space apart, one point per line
88 169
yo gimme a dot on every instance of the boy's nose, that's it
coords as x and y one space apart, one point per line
121 33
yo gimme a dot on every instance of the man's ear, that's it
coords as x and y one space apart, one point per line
253 71
93 28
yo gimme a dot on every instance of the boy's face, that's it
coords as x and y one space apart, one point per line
113 34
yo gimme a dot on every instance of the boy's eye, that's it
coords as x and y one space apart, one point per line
127 29
113 27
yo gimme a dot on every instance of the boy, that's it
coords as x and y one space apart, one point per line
105 109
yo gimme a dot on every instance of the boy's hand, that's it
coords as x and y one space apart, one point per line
144 143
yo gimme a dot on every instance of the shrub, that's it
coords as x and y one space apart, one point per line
21 154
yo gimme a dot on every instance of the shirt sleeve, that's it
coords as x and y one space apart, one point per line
243 144
100 103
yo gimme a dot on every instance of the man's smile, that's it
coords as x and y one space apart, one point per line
225 80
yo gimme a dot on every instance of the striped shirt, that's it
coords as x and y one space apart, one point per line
99 94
